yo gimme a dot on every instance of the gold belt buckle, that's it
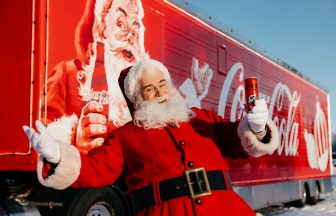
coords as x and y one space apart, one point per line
206 186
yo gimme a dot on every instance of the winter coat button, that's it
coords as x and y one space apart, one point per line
198 201
181 142
190 164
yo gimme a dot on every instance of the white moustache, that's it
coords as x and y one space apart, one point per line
119 46
152 114
161 99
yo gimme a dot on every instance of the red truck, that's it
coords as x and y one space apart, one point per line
45 45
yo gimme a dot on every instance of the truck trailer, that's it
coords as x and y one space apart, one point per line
45 45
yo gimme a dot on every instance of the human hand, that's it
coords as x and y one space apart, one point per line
258 116
43 142
92 126
201 77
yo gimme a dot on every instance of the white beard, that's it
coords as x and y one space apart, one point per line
152 114
115 64
118 111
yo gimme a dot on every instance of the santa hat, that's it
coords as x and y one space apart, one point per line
83 34
134 74
121 80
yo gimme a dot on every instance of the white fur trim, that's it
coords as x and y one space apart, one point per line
250 142
64 128
67 170
134 74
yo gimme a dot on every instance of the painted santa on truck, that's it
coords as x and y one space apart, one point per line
109 38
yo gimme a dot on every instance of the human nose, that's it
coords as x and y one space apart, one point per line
158 92
130 37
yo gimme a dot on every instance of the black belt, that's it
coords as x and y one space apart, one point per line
194 183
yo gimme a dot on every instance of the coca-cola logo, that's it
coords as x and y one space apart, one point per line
287 126
99 96
317 143
283 105
237 70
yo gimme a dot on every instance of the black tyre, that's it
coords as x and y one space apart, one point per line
315 198
98 202
304 197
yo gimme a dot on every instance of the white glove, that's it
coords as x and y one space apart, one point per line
258 116
43 142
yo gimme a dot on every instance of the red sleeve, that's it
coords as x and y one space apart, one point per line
227 136
101 166
56 92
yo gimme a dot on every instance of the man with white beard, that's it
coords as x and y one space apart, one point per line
174 158
160 112
84 101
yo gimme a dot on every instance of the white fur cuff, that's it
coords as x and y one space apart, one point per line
67 170
64 128
250 142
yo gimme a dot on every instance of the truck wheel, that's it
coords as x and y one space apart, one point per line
98 201
304 196
314 199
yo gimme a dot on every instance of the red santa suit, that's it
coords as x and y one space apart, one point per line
154 156
62 90
64 104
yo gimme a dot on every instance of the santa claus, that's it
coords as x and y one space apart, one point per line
109 38
174 157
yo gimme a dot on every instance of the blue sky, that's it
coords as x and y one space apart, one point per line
300 32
